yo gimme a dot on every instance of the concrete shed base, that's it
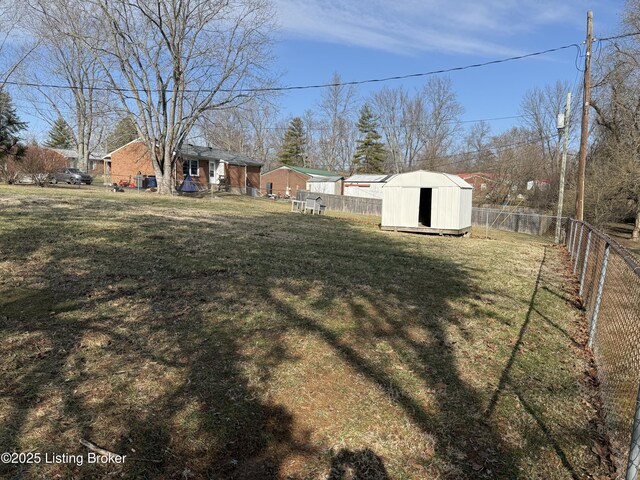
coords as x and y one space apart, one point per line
433 231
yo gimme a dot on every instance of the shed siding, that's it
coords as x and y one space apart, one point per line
400 207
465 208
445 207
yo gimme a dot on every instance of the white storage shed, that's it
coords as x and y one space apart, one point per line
428 202
331 185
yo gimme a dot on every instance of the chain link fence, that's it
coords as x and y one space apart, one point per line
610 290
518 221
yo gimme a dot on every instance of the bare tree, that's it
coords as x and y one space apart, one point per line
513 163
225 128
336 125
403 120
14 49
64 58
476 154
168 62
247 128
442 111
540 108
614 171
311 157
613 183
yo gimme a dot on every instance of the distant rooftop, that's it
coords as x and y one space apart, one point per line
464 176
71 153
368 178
214 153
318 179
313 172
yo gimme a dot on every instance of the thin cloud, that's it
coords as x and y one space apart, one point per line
414 26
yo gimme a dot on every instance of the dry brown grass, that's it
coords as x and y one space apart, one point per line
229 338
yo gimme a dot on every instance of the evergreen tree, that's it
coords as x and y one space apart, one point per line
10 126
61 135
292 151
124 132
370 152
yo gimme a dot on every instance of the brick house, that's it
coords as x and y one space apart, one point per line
285 181
478 180
95 166
208 166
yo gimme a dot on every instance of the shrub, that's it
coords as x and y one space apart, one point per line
39 164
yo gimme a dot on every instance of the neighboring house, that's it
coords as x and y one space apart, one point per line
96 164
285 181
207 166
542 184
478 180
365 185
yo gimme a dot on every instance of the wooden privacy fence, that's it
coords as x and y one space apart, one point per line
342 203
521 222
529 223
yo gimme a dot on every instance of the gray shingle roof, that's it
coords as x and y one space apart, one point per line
196 152
319 179
369 178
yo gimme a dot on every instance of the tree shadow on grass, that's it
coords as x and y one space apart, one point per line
360 465
168 339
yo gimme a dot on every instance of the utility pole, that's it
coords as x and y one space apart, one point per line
584 128
563 129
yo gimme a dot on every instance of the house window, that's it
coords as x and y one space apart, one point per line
190 167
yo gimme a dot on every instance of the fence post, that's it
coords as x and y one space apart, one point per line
575 263
573 240
570 242
486 227
596 308
634 448
584 264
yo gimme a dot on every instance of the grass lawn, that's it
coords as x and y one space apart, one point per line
228 338
621 232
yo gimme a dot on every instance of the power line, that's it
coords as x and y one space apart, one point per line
488 148
326 85
454 156
398 126
354 82
616 37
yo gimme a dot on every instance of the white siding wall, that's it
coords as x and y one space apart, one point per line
323 187
400 207
465 208
445 206
374 191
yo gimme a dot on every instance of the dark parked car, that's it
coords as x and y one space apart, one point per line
72 175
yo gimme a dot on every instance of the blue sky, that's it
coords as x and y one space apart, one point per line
362 39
